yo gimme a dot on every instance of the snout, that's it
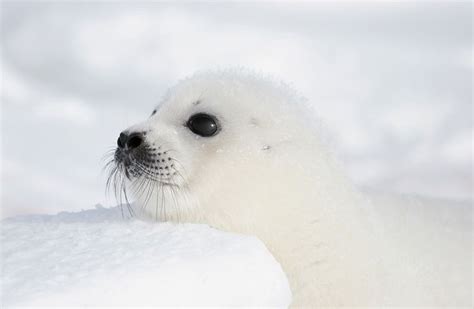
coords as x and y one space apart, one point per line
137 156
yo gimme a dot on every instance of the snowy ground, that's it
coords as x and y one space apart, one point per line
95 257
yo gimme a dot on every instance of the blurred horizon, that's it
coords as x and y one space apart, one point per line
391 81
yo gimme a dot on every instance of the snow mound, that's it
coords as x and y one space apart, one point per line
98 258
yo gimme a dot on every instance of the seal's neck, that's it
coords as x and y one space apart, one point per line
312 220
319 252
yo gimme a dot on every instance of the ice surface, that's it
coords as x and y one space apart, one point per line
97 257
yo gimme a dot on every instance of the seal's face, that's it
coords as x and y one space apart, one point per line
202 129
159 159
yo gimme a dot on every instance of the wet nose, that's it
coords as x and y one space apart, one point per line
131 141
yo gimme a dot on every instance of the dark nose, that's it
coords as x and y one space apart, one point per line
131 141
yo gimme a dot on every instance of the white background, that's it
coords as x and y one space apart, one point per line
393 82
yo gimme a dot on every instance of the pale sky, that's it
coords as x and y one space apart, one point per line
392 81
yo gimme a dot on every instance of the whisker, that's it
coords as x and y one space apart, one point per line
138 174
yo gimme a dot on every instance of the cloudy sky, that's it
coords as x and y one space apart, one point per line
392 81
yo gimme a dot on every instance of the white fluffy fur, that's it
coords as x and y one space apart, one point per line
267 174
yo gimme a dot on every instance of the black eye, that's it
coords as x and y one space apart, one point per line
153 112
203 124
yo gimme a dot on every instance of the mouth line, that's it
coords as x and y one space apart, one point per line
155 181
124 166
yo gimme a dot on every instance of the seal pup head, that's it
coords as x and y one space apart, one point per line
220 146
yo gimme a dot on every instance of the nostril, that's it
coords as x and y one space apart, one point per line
122 140
134 141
